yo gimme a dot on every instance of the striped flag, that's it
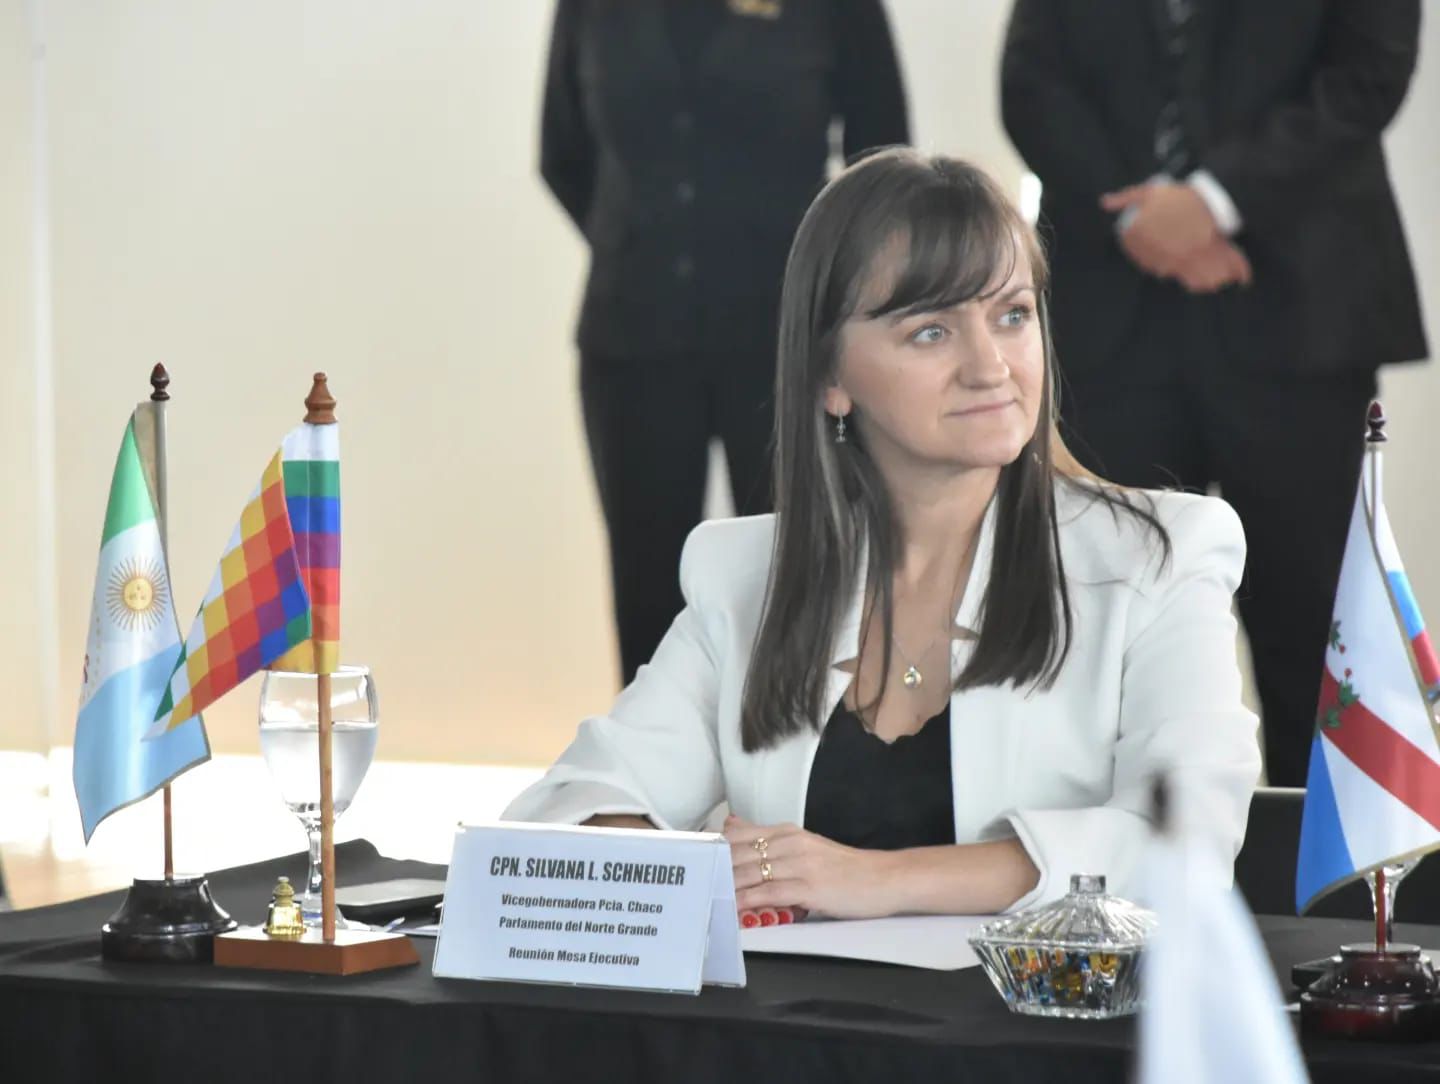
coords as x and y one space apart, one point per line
1373 792
311 462
133 640
274 600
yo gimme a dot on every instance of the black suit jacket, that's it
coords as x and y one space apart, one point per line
1284 102
688 181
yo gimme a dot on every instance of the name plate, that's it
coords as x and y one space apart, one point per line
617 907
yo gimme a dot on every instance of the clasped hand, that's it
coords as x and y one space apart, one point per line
806 871
1173 235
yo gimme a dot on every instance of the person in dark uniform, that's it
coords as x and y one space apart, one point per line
685 138
1229 272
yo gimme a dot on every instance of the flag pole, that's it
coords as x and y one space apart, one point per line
159 396
320 410
1374 438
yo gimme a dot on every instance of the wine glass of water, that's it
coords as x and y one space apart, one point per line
290 742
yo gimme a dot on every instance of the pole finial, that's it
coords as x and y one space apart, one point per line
1375 420
1160 804
159 381
320 404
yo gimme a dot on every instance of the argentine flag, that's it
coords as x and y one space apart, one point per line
133 643
1373 792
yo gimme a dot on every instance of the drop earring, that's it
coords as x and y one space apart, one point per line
840 429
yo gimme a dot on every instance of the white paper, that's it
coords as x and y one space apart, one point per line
937 942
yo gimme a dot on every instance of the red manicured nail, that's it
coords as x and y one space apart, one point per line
768 917
784 916
749 920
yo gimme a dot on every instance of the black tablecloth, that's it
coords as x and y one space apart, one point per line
65 1015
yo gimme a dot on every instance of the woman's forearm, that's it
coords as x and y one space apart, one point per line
967 878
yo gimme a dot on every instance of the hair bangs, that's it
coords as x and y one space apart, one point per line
955 244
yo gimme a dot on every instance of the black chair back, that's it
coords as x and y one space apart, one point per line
1265 868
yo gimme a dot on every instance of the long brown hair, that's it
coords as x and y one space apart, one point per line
960 234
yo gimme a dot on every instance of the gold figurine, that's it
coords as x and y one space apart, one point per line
284 918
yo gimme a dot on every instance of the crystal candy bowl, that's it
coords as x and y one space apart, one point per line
1078 956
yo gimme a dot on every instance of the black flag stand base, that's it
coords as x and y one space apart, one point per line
169 921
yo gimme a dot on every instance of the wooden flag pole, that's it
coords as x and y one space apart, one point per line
320 410
159 382
327 813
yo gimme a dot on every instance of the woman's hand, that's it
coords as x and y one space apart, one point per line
806 871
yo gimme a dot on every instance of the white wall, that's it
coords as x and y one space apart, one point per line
1411 394
251 191
29 603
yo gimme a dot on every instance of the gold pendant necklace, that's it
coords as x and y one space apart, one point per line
912 679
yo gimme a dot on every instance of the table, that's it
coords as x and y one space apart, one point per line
66 1015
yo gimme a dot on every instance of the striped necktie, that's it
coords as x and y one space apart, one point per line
1172 151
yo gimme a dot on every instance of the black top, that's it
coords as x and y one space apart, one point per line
865 792
686 140
1285 104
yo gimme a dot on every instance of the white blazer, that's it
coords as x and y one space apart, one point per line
1151 682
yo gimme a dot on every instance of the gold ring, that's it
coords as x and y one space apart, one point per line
767 872
760 843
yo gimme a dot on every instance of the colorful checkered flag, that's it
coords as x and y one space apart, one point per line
274 601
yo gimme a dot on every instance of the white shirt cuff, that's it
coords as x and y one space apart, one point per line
1222 207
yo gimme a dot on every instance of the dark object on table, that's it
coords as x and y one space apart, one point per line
381 901
1309 971
170 921
1388 996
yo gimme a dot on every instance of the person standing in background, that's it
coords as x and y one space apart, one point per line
1229 272
685 138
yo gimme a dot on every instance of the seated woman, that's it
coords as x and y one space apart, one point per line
942 677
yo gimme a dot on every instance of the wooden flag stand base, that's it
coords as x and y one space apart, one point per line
1384 991
326 951
352 952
